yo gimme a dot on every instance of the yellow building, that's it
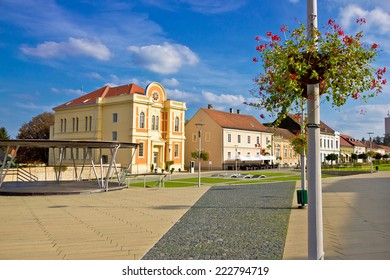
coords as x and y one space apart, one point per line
283 149
127 113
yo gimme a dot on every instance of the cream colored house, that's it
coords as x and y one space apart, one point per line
283 149
127 113
226 136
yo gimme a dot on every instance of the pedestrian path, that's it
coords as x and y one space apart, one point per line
356 221
114 225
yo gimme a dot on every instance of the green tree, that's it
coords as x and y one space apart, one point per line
378 156
37 128
3 135
371 154
386 140
377 140
331 158
363 156
203 155
354 157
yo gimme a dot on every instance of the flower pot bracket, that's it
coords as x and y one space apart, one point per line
311 61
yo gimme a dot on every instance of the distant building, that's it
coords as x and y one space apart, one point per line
329 138
358 146
283 149
346 149
387 124
227 137
127 113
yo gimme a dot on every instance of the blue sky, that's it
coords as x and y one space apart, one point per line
200 50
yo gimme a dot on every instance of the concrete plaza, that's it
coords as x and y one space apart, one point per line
125 224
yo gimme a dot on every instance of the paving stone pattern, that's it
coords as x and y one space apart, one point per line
233 222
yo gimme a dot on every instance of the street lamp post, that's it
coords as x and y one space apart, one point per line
199 127
370 133
315 227
236 157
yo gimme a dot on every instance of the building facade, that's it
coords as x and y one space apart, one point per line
228 137
127 113
329 138
283 149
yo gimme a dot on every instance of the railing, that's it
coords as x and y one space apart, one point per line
25 176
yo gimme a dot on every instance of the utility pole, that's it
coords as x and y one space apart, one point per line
315 227
371 133
199 127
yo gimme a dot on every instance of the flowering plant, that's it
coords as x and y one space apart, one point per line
340 64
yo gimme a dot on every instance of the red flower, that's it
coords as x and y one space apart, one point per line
355 95
275 38
340 32
269 34
262 116
361 20
348 40
384 82
255 59
374 46
257 38
283 28
331 21
293 76
261 47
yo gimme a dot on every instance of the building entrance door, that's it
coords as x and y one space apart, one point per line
155 158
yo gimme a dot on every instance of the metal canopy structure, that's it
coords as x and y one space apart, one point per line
62 145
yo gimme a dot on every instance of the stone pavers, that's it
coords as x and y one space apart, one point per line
114 225
356 221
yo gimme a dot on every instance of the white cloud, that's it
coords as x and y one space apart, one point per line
377 20
73 47
33 106
95 75
359 120
226 99
170 82
179 95
163 59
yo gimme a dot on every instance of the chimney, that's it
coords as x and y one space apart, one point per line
231 110
238 111
210 106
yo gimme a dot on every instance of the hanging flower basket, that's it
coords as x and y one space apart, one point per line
316 63
340 64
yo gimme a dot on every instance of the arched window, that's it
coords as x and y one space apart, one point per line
153 122
157 122
142 120
177 124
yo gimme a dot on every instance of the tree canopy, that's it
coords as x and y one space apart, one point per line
37 128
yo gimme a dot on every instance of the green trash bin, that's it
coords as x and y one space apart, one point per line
302 197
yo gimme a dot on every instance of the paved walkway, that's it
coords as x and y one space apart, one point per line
114 225
356 218
126 224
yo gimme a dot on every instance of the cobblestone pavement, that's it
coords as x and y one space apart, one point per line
234 222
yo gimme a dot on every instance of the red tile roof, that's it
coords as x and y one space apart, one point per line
235 121
106 91
345 143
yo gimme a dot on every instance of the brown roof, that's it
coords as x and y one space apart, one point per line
345 143
282 132
233 120
323 126
106 91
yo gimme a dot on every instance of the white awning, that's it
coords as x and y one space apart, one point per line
255 158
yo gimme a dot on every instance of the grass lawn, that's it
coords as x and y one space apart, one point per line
188 182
